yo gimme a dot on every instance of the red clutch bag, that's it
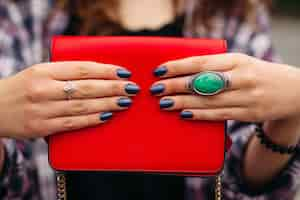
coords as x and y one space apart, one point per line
143 138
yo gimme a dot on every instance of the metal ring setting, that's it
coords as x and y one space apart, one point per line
69 89
209 83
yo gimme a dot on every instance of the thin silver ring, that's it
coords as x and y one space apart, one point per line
69 89
222 75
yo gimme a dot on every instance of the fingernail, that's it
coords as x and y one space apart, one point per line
160 71
123 73
166 103
132 88
156 89
105 116
124 102
186 115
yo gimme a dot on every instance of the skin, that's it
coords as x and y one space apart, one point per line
31 110
147 14
28 110
134 16
251 97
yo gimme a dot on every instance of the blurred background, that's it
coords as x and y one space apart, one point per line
286 30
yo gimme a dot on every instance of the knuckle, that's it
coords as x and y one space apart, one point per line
176 85
44 129
249 77
88 121
199 60
79 108
170 63
82 71
175 69
108 69
256 114
225 115
34 92
116 87
171 86
86 89
242 59
206 103
30 111
35 70
109 104
31 125
179 102
185 102
173 66
69 124
36 127
209 101
257 94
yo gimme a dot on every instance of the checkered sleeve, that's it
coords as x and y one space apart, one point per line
18 178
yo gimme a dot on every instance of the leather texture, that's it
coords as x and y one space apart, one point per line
143 138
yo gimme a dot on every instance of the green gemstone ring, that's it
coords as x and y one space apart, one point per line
208 83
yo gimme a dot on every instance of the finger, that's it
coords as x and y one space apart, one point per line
223 100
171 86
75 70
77 122
86 89
192 65
89 106
219 114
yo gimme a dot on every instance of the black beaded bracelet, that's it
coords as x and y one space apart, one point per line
265 140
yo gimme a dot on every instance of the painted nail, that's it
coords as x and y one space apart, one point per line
186 115
160 71
132 88
157 89
166 103
105 116
123 73
124 102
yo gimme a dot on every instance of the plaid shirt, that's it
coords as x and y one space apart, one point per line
25 28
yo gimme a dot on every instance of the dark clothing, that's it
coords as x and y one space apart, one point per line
91 185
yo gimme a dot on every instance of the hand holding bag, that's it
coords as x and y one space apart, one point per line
144 138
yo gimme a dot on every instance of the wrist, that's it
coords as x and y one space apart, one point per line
284 132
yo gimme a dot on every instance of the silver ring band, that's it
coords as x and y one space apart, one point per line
69 89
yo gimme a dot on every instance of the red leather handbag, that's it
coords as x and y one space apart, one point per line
144 138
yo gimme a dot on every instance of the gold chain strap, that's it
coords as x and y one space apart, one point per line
62 190
218 188
61 184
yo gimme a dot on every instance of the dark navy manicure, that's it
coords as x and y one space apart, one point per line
105 116
123 73
166 103
157 89
186 115
132 88
124 102
160 71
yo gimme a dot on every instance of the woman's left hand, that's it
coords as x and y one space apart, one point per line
258 91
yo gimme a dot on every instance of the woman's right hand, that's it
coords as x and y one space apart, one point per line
33 102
